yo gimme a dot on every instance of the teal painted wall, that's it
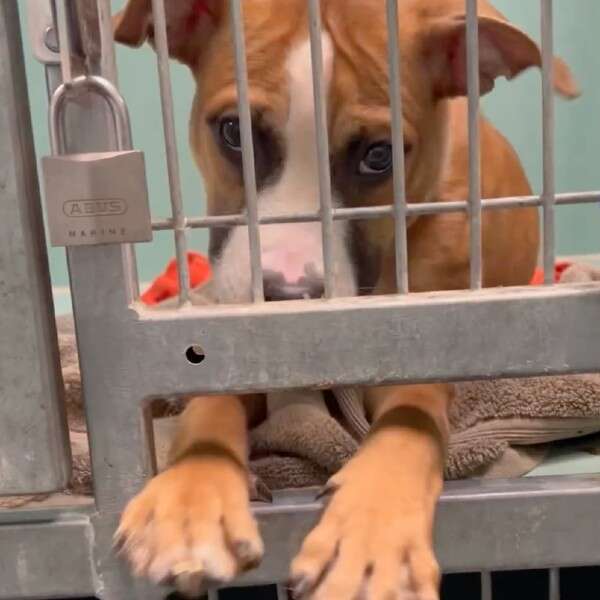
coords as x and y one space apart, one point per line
514 107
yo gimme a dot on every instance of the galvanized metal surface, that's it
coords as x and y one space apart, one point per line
554 584
34 448
46 556
496 525
420 337
548 141
486 585
322 129
248 163
475 249
378 212
401 235
168 114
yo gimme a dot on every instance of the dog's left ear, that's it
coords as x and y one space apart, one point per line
190 24
504 51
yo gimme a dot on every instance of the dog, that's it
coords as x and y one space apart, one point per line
192 524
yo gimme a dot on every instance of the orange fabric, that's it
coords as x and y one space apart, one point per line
538 276
166 286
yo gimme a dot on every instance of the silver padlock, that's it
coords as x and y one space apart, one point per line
100 197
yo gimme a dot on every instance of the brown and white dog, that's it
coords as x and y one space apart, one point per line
192 524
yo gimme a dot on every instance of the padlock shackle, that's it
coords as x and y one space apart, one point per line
106 90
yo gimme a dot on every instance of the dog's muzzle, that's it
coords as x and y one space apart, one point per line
278 288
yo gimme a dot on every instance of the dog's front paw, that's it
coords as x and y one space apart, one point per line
191 526
373 543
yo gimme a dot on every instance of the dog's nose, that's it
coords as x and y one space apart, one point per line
278 288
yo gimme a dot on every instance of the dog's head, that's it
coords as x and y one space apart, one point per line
354 39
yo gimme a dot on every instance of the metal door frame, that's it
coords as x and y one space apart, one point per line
537 523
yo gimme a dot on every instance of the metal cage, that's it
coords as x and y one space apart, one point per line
67 550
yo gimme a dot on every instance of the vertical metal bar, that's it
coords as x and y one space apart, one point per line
549 191
282 592
96 27
486 585
64 40
108 57
34 439
212 595
241 72
401 243
108 68
166 98
554 584
316 49
474 146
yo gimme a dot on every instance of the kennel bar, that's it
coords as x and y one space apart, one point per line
486 585
322 129
473 91
107 50
378 212
166 100
554 584
34 448
400 214
548 141
497 525
530 523
248 163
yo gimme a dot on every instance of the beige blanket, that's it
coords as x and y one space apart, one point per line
500 428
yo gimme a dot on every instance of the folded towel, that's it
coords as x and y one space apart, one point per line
499 428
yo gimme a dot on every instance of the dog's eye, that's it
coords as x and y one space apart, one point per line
377 160
229 129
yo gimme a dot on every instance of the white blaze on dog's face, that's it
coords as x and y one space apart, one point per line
354 39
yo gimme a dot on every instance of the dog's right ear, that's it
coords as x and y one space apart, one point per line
190 24
504 50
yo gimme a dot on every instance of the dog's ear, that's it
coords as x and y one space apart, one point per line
504 51
190 24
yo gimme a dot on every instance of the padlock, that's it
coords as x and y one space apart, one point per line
100 197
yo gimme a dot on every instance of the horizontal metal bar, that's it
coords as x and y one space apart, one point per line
481 525
420 337
45 558
378 212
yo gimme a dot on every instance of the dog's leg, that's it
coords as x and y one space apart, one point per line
191 525
374 540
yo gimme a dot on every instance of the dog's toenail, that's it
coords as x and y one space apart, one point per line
299 585
328 490
119 541
245 553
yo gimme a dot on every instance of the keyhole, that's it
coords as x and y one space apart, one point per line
195 355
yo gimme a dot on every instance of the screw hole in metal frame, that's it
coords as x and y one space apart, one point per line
195 354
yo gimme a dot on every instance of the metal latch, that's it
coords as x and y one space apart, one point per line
95 198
